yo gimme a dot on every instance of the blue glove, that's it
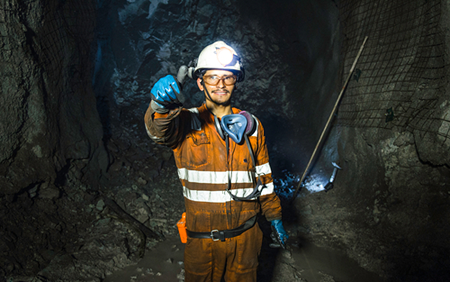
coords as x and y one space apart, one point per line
281 234
166 93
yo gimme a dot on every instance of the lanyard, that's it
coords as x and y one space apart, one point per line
256 191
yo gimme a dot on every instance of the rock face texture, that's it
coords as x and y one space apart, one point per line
49 127
76 163
49 116
390 204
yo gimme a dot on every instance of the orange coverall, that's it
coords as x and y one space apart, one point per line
201 159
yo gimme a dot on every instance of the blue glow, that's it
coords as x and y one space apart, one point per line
286 185
315 183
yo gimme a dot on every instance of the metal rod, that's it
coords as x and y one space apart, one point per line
330 118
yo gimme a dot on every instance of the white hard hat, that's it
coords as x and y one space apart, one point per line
219 56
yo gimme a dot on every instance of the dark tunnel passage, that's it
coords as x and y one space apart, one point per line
85 195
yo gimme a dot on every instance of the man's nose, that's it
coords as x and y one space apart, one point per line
221 83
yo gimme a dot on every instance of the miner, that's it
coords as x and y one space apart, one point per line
223 165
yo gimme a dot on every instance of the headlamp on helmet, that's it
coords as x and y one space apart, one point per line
224 56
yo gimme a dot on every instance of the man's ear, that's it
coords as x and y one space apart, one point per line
199 84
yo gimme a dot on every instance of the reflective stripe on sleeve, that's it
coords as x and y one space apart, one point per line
222 196
263 169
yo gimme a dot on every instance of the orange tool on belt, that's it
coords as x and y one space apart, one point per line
181 224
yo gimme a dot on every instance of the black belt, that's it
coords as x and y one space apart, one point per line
217 235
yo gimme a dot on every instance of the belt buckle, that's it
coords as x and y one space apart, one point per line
212 235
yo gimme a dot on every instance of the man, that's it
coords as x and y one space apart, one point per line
223 166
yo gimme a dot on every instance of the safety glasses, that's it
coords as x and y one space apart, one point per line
214 80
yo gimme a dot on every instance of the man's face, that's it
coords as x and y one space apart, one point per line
221 93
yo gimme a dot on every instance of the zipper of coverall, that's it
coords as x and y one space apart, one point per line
227 204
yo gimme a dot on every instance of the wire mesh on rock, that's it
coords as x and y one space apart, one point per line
400 78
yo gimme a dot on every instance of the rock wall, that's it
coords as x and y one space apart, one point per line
387 210
51 135
49 115
390 204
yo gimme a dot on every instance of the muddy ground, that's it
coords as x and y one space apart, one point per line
300 262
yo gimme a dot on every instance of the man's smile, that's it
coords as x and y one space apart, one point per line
220 92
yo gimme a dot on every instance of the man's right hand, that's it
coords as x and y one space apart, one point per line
166 93
279 233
